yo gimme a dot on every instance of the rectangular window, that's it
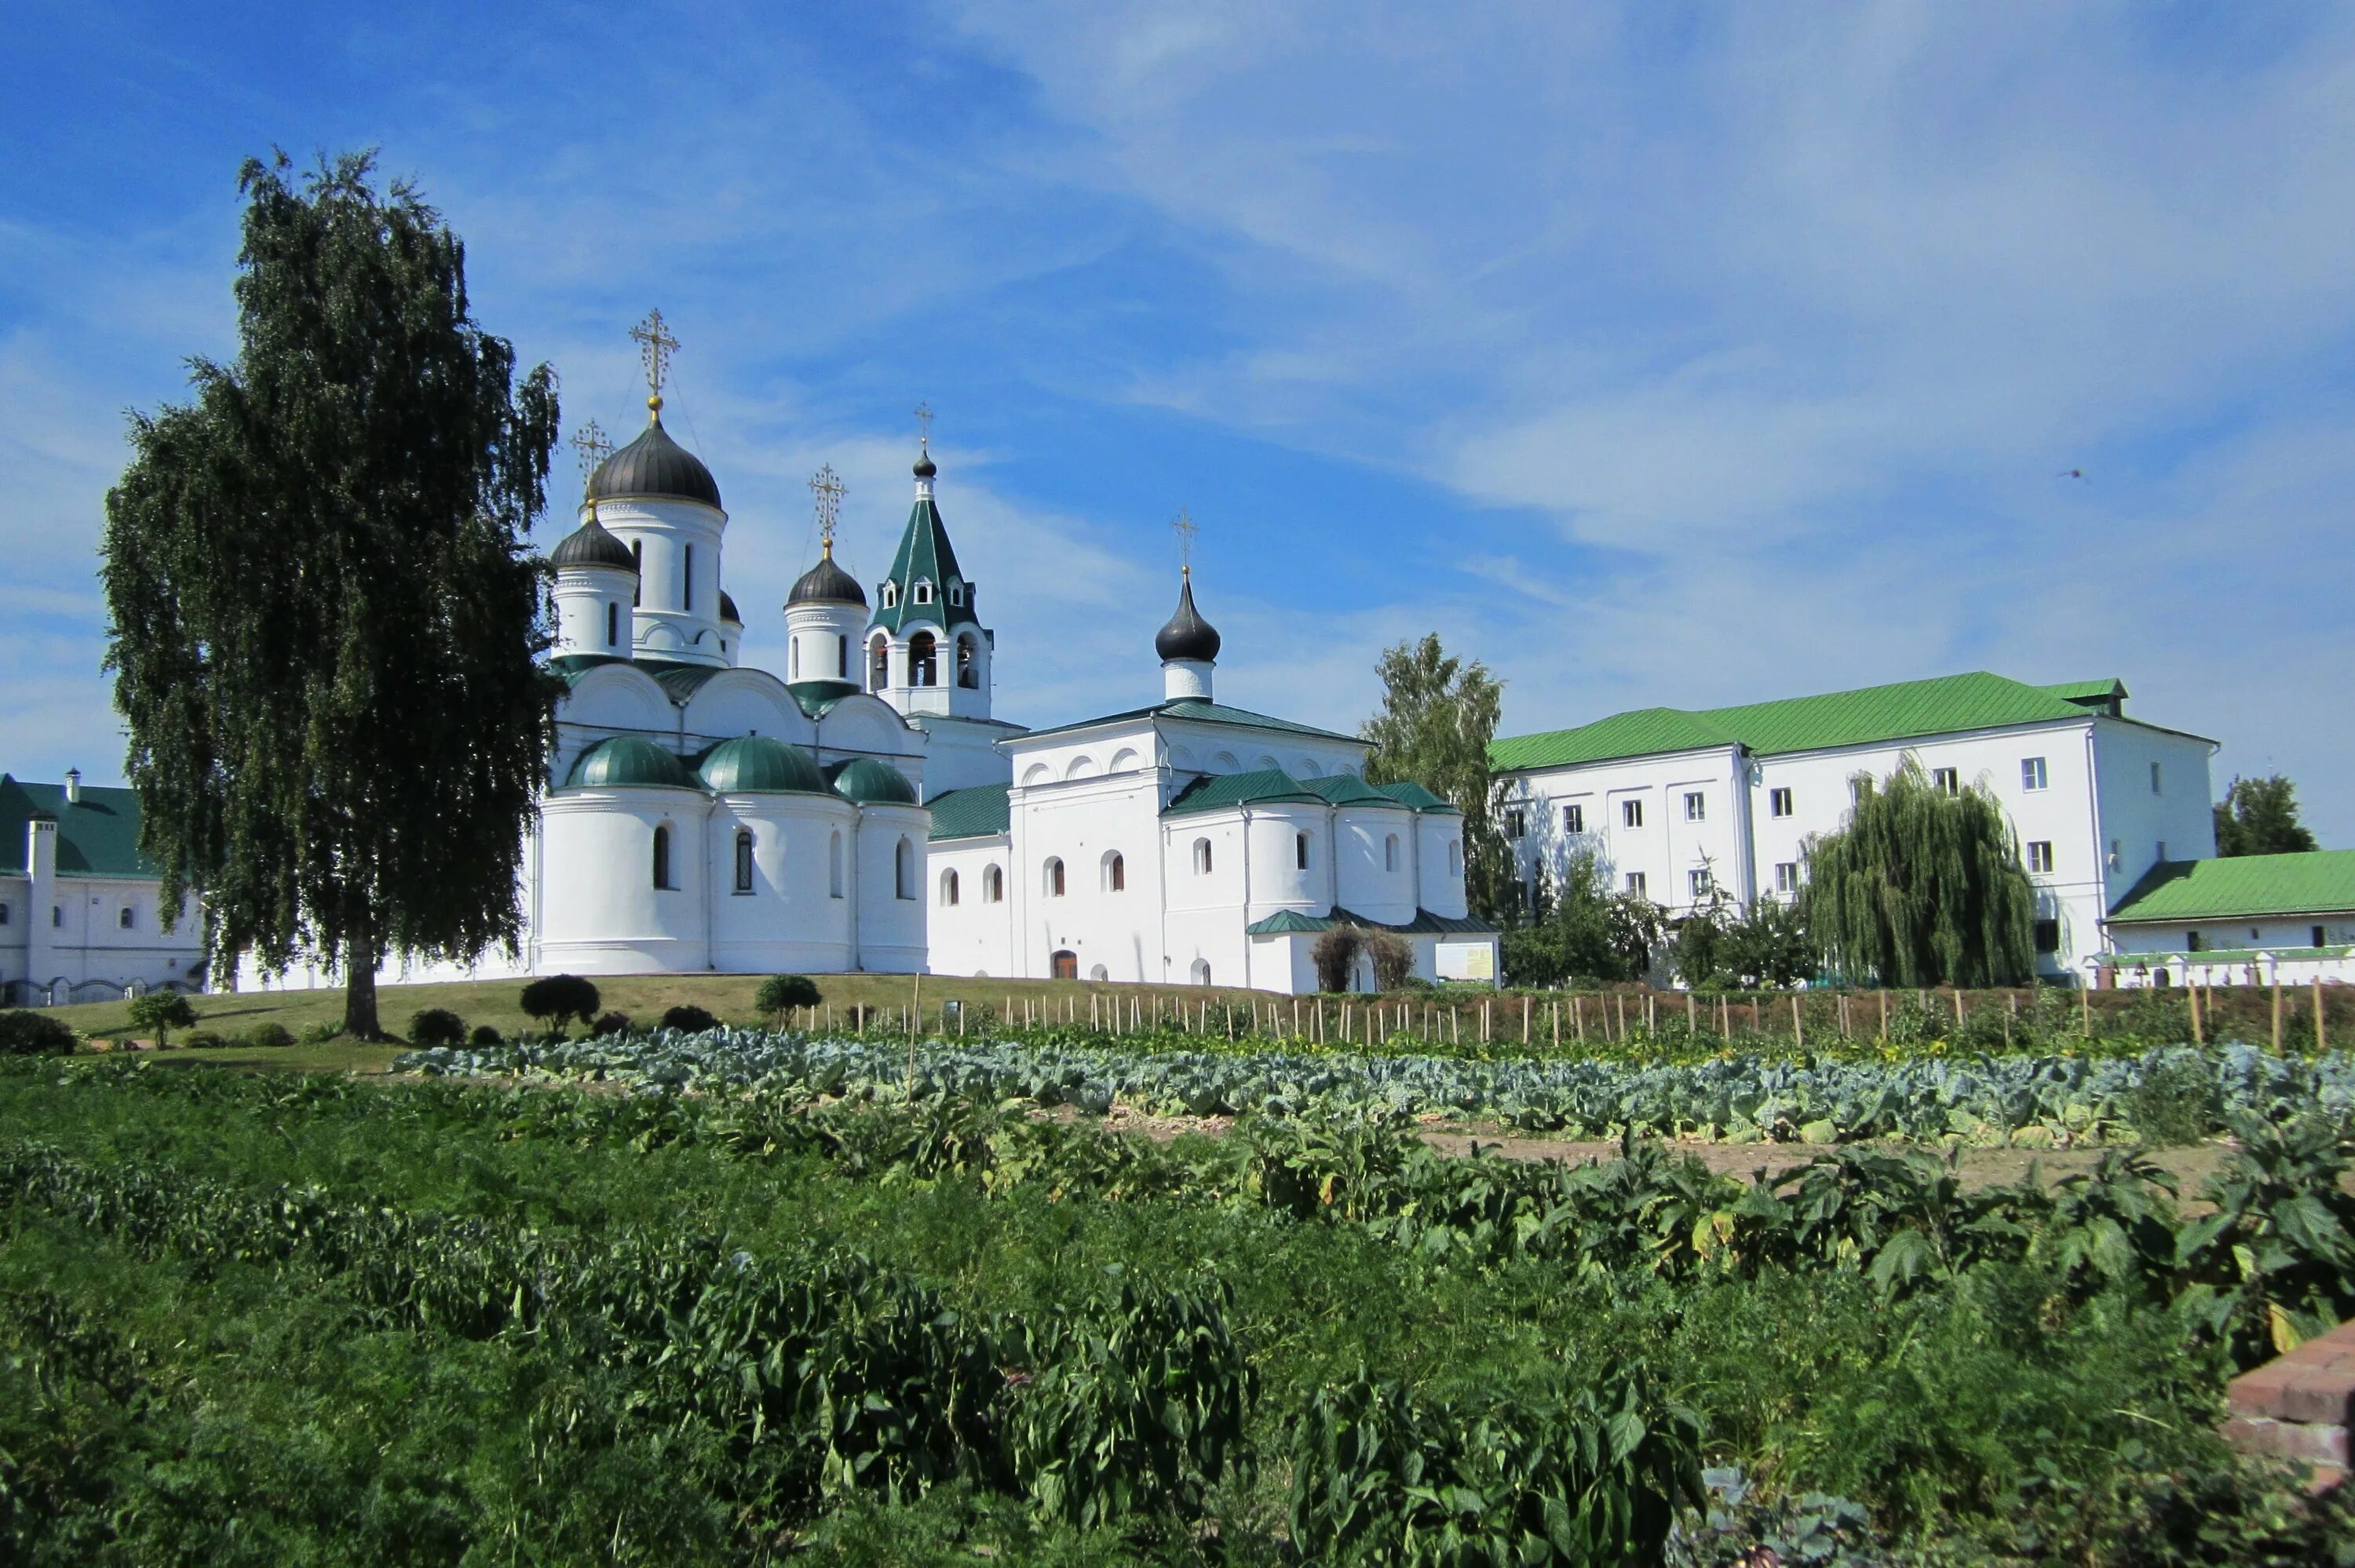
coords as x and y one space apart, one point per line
687 576
2318 935
56 918
1695 806
1778 802
1697 883
1635 884
2154 779
2193 941
4 914
2040 857
2048 936
125 918
1787 876
1631 813
1947 778
1516 826
1573 818
2032 773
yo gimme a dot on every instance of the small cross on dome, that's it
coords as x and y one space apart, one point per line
655 346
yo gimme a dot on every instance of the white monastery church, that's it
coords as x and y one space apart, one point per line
866 811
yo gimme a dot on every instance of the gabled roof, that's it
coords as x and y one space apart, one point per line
1292 923
97 836
2220 956
1415 795
2249 886
1198 710
980 812
1903 710
1271 786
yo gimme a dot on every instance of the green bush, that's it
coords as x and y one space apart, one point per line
160 1012
274 1036
437 1026
554 998
779 992
688 1019
612 1024
28 1033
320 1033
203 1040
484 1037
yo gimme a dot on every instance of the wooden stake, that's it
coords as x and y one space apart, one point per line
1884 1014
2198 1035
1578 1017
1557 1023
2320 1043
1621 997
1525 1020
1798 1025
2277 1008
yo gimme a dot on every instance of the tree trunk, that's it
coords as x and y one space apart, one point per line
359 983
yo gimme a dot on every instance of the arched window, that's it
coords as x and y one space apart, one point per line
613 626
687 576
834 865
743 860
637 569
1099 973
923 591
923 661
1050 880
842 657
903 864
1201 857
1455 857
797 659
956 593
1202 971
1390 852
1300 850
1116 873
878 665
993 885
948 889
891 594
968 671
662 855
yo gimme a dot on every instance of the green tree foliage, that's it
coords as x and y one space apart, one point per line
779 993
1720 946
2259 816
163 1012
326 627
24 1032
1922 889
1392 956
1335 954
1582 931
437 1026
555 999
688 1019
1438 716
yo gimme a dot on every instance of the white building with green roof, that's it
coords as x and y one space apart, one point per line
82 912
1674 801
2257 919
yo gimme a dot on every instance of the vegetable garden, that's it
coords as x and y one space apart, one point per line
762 1296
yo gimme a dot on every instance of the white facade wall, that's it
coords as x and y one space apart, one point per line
788 921
67 931
890 895
600 911
973 935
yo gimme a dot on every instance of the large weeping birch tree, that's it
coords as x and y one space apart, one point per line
1922 887
326 626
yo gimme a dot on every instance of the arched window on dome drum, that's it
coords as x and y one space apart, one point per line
797 661
743 860
834 865
993 885
687 576
637 569
662 856
923 661
1300 850
878 665
842 658
948 889
903 864
613 626
968 668
1051 880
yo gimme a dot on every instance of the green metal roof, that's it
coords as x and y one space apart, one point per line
871 783
1904 710
2316 882
97 836
1195 710
924 553
2103 696
762 765
1224 792
2221 955
628 761
981 811
679 681
1292 923
818 697
1415 795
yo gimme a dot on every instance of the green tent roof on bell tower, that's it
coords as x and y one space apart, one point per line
924 555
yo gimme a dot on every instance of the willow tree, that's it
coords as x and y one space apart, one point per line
325 623
1921 887
1438 717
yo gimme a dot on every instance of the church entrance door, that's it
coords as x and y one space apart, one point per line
1067 964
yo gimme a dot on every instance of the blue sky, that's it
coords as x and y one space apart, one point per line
1654 354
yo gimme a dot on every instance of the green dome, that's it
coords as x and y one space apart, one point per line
871 783
760 763
623 761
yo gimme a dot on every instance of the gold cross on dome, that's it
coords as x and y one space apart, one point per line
924 425
1185 527
589 441
827 489
655 346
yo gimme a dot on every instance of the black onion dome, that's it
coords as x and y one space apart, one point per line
655 465
826 583
1188 635
925 467
728 610
592 546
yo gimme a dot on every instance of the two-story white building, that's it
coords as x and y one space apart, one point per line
81 908
1676 801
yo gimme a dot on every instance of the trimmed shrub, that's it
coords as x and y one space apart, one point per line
161 1012
612 1024
779 992
555 999
437 1026
688 1019
276 1036
320 1033
27 1033
484 1037
203 1040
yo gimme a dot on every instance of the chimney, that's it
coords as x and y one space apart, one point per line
73 786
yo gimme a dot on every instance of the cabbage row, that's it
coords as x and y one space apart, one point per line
2027 1101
